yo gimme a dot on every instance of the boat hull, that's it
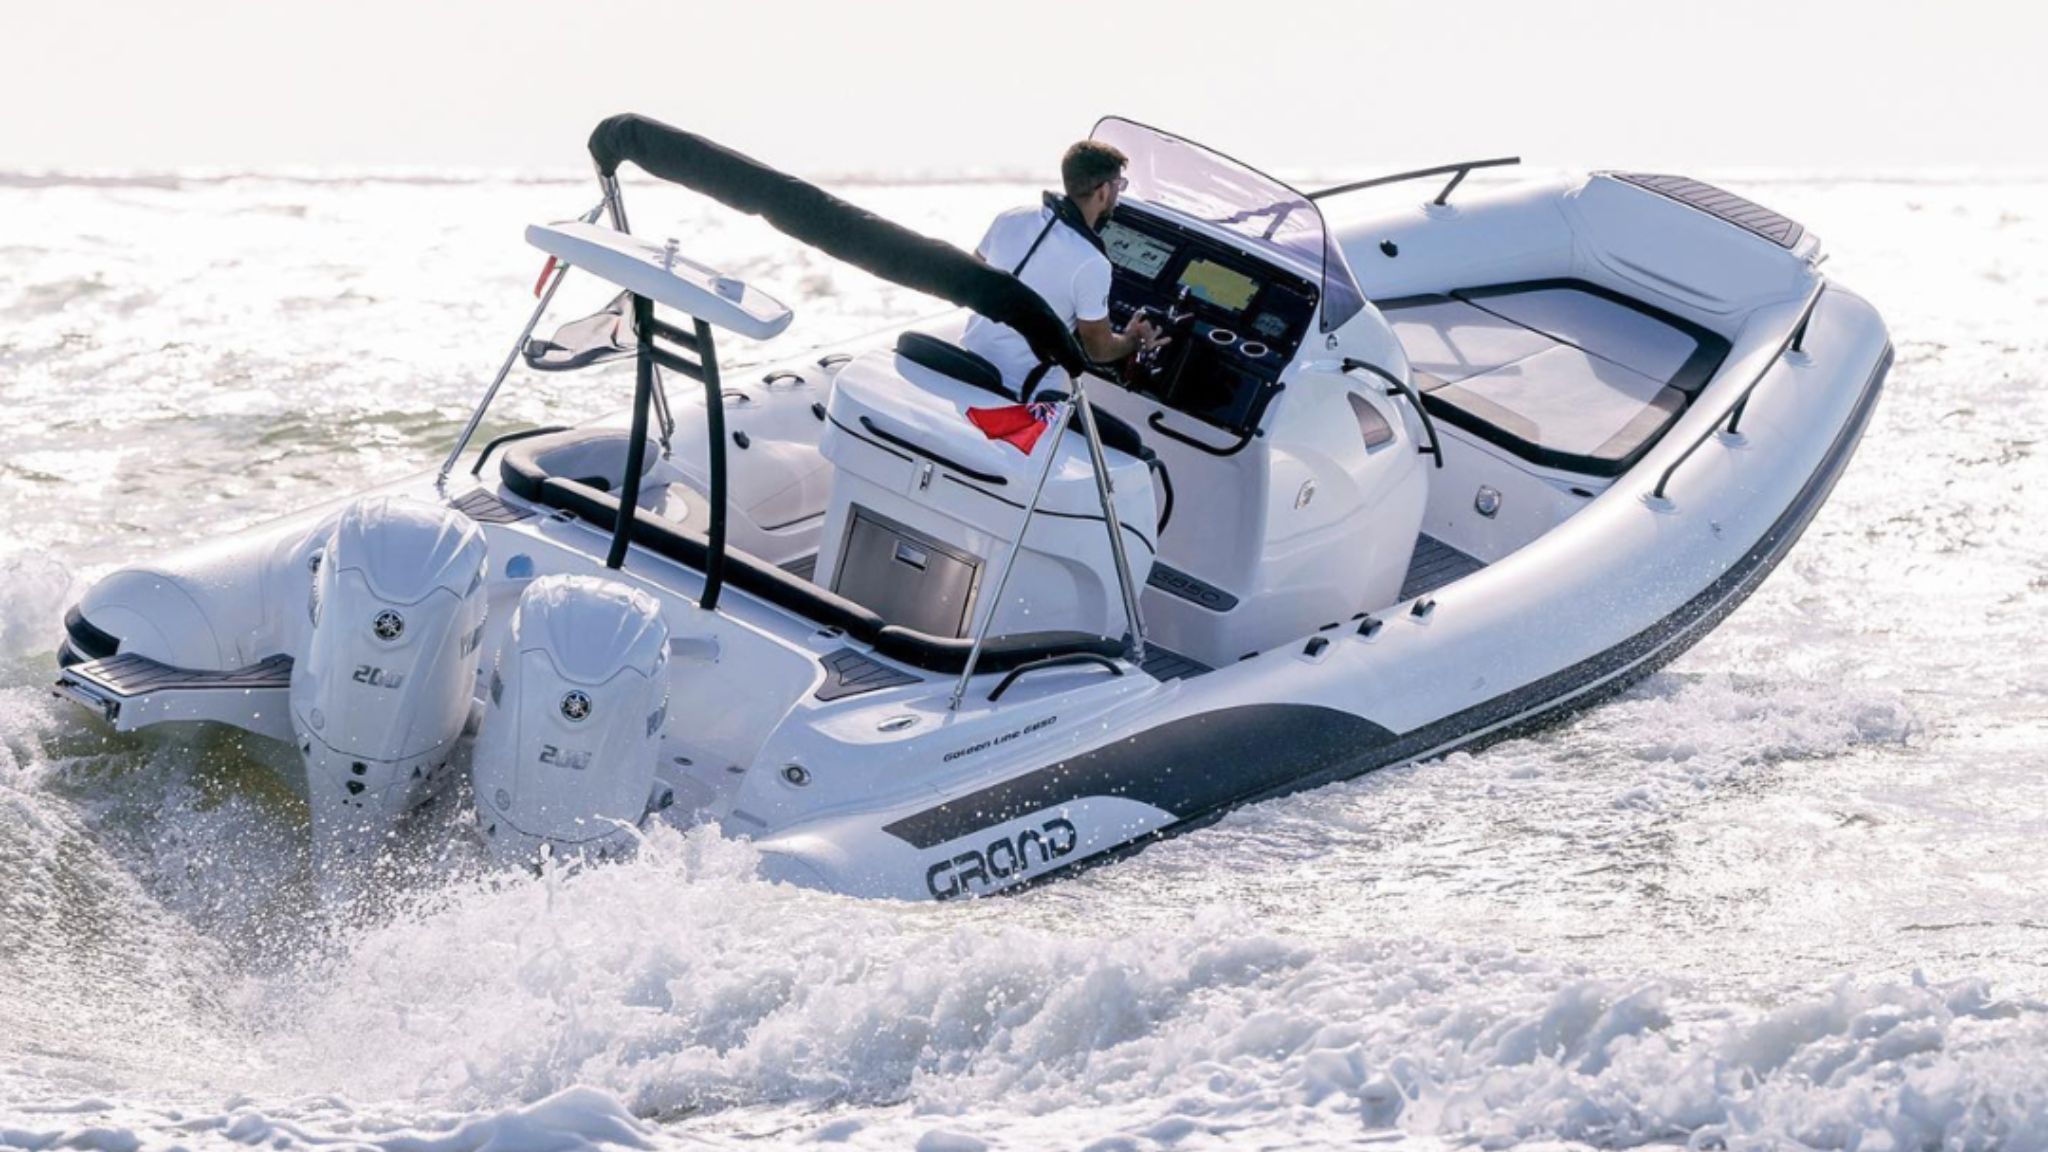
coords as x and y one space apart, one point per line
1311 714
861 763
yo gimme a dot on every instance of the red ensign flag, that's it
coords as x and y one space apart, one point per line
1019 425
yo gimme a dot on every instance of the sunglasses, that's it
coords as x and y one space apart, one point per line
1120 183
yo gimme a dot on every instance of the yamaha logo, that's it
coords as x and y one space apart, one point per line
388 625
575 706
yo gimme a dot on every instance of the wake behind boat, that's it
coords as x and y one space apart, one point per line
1392 489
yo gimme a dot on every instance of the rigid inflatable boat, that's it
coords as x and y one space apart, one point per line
1394 487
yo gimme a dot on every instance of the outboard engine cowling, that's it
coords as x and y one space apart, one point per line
566 756
386 684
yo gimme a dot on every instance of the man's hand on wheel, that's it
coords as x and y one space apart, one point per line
1145 336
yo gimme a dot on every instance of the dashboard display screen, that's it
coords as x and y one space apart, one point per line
1135 251
1270 326
1219 285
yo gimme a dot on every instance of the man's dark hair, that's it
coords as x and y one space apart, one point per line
1089 165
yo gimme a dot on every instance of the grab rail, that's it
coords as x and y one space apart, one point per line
1435 447
916 449
508 438
1794 341
1462 170
1157 422
1067 660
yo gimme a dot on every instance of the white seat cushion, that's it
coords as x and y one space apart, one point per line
1606 328
919 407
1561 376
1449 340
1568 403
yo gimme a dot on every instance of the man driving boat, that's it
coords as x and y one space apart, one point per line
1055 249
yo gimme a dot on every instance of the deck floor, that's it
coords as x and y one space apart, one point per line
131 675
1435 565
1161 664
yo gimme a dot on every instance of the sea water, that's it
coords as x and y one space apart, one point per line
1789 892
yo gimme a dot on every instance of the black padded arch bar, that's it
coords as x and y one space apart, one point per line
807 213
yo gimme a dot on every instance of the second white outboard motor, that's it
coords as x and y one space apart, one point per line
565 759
384 689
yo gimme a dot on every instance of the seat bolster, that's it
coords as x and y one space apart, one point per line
952 361
1117 433
526 464
998 654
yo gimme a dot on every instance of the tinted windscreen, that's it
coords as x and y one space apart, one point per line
1266 215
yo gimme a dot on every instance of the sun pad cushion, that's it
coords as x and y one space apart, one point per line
1562 375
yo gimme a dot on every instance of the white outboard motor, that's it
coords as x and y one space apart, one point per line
384 688
566 756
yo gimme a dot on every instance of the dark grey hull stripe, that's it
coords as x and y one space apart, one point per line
1214 760
1291 747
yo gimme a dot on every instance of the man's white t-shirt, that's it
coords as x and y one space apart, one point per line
1066 270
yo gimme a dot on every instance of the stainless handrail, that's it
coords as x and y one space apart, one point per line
1055 432
476 417
1462 169
1794 341
1105 490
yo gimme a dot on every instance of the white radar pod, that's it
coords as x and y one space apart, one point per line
663 275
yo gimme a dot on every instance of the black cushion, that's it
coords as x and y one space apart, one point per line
947 654
521 468
1117 433
952 361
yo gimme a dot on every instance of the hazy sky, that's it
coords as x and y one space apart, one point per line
837 87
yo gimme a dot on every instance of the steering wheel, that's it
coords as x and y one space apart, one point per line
1154 369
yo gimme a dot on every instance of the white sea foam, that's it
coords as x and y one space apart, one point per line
1785 893
674 997
34 591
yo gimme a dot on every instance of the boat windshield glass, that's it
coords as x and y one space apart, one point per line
1188 178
